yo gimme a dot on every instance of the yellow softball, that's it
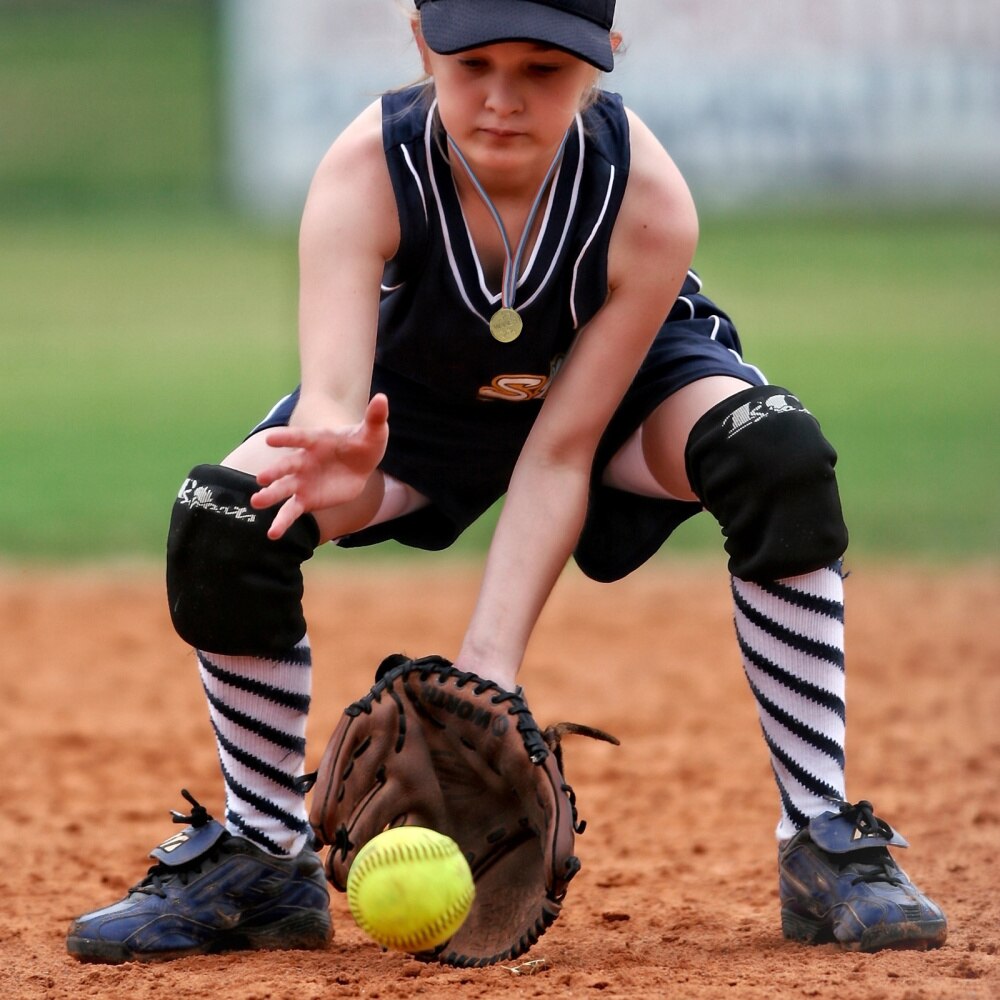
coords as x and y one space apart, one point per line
410 888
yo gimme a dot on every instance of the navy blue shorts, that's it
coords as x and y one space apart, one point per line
461 455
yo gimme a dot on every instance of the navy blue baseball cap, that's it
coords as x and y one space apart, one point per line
580 27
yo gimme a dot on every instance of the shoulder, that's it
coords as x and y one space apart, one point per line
358 147
654 179
351 190
658 220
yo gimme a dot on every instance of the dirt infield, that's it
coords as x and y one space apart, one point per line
103 721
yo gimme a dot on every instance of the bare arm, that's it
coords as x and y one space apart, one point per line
349 229
651 251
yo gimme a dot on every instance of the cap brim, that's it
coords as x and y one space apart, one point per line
450 26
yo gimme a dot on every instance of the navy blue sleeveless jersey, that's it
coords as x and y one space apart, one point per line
460 403
436 305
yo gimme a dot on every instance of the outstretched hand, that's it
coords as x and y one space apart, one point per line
326 468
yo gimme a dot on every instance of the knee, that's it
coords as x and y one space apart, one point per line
760 464
230 588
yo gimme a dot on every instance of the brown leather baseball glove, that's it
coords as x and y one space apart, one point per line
434 746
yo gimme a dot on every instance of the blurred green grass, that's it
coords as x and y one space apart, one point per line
134 347
883 324
137 345
106 103
144 329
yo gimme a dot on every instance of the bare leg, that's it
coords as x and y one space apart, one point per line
666 430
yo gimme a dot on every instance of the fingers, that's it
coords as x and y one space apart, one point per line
273 493
376 416
278 491
378 411
291 437
291 462
290 511
321 467
284 466
281 490
374 438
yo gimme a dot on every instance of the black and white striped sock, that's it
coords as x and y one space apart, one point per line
791 637
258 708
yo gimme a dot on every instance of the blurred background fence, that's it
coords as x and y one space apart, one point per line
894 100
154 155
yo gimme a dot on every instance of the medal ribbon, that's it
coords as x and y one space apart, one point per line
512 261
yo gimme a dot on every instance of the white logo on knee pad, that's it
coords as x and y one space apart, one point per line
192 495
753 413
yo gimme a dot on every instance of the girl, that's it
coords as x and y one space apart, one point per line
496 297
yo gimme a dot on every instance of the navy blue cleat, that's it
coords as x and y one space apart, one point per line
839 883
209 892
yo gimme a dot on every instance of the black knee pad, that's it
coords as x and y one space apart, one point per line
231 589
760 464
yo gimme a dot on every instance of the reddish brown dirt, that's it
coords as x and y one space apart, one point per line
103 722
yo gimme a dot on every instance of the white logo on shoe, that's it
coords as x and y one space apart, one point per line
172 843
753 413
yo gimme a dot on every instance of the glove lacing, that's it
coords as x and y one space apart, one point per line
396 666
552 736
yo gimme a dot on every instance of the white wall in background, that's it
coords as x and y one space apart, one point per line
866 99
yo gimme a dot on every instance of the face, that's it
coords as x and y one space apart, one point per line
508 105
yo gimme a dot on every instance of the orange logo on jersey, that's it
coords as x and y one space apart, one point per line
521 388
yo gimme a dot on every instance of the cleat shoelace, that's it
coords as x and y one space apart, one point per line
199 817
873 864
159 876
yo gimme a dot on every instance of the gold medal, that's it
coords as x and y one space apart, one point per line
506 325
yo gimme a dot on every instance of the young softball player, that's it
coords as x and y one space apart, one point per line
496 298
